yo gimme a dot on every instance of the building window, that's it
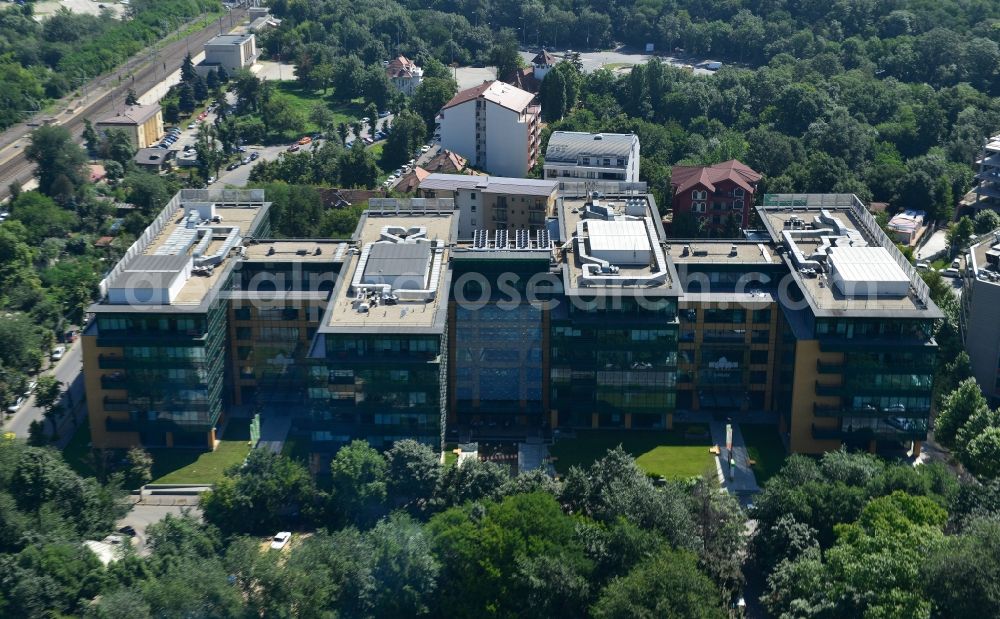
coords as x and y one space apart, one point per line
472 196
737 205
699 195
606 162
621 162
738 192
698 207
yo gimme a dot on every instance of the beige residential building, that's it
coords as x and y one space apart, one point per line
142 123
493 202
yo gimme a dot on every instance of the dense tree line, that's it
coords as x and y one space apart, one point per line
51 58
49 267
398 534
852 536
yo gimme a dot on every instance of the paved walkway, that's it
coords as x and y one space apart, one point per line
743 480
273 432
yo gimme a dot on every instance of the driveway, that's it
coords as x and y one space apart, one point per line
141 516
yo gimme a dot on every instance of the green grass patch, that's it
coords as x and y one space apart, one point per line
183 466
675 454
941 264
764 446
305 98
450 457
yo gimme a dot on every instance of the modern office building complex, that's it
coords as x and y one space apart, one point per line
980 300
591 320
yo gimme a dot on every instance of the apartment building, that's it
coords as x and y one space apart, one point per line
714 194
986 193
495 126
582 155
492 202
980 300
410 329
404 74
142 123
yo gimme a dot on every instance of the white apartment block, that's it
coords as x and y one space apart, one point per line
495 126
592 156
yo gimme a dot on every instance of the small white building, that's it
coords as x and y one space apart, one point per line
495 126
542 63
232 51
404 74
597 156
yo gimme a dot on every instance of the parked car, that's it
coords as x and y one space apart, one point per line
245 160
253 156
923 266
58 352
128 530
397 171
192 125
280 540
349 144
383 114
16 404
211 179
424 148
305 140
293 148
30 388
367 140
232 166
951 272
365 120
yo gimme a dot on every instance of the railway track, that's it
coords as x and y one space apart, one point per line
107 92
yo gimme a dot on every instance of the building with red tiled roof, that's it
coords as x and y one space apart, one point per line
530 78
404 74
714 193
495 126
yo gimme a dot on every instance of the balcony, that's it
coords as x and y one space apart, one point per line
829 390
111 362
872 412
829 368
115 380
116 405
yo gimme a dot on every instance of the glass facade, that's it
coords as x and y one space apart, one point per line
381 388
614 368
172 372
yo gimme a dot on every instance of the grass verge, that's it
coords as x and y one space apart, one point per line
676 454
182 466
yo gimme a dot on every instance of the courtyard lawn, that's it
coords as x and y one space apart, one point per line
766 448
305 99
183 466
662 453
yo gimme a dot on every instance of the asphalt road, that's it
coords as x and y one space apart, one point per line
67 371
142 72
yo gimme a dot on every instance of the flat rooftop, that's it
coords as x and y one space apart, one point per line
489 184
889 288
406 315
230 39
231 215
294 250
985 259
652 276
713 251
